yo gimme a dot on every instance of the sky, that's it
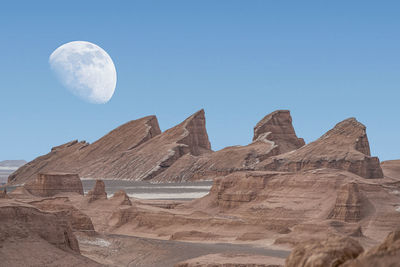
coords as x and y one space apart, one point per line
239 60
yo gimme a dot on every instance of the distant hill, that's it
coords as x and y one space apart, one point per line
7 167
12 163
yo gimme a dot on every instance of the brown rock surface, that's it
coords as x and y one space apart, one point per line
348 204
344 147
98 191
273 135
122 198
79 220
383 255
91 160
277 127
328 253
232 260
29 237
391 169
50 184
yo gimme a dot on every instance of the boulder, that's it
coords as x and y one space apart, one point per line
331 252
344 147
52 183
98 191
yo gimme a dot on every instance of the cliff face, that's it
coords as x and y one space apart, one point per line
344 147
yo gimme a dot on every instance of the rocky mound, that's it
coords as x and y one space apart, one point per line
35 238
98 191
345 147
79 221
348 204
122 198
50 184
273 135
328 253
89 160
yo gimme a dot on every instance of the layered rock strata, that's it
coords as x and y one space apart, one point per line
98 191
344 147
50 184
348 204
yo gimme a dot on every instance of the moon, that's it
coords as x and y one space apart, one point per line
86 70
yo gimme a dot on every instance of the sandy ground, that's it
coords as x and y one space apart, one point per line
120 250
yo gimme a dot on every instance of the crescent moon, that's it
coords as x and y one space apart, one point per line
86 70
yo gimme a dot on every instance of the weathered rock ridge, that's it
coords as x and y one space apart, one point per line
90 160
125 152
273 135
344 147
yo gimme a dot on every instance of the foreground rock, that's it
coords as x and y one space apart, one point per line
345 147
232 260
98 191
329 253
50 184
29 237
385 254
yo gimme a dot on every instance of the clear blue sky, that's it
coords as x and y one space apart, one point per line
239 60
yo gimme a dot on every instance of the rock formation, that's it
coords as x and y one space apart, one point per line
385 254
391 169
136 150
50 184
79 221
348 204
328 253
98 191
273 135
277 127
122 198
89 160
35 238
344 147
